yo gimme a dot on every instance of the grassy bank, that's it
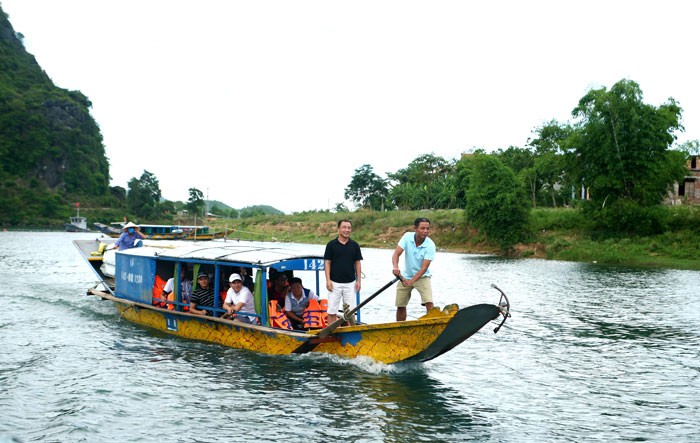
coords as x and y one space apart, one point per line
556 234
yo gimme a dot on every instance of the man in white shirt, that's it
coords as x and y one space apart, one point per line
240 299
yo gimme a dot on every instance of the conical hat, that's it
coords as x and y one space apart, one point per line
130 225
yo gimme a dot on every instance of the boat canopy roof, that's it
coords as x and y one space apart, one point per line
255 255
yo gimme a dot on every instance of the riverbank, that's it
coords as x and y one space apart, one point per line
555 234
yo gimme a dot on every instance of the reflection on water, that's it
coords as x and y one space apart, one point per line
591 353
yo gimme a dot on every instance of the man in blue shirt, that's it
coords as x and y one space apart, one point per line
420 252
129 237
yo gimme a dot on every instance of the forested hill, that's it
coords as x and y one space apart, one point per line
51 150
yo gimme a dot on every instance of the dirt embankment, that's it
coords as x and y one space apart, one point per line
447 238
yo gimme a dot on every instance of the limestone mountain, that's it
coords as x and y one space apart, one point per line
51 149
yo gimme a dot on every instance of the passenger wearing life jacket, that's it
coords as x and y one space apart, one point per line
185 291
324 312
296 301
157 293
315 315
278 319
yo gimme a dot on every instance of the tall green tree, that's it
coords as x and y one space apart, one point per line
144 196
621 145
496 202
367 189
195 203
550 166
423 184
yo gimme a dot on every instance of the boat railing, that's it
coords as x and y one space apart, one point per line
179 306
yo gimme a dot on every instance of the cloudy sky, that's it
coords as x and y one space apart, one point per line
279 102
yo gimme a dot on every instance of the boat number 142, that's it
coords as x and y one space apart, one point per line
313 264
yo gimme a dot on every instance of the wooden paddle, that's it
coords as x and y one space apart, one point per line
308 346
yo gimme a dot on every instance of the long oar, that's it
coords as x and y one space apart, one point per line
325 332
307 346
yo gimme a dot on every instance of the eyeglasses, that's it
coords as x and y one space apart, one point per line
236 281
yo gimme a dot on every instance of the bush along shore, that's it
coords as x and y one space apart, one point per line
555 234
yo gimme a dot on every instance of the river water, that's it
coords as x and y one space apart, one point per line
591 353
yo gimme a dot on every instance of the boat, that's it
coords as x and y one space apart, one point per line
113 230
136 273
77 223
167 232
203 233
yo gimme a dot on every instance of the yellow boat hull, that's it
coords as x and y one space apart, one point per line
387 342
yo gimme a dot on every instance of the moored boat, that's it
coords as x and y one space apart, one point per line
138 270
203 233
168 232
77 223
113 230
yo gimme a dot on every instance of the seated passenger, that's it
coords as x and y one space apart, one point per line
202 296
247 278
296 301
185 289
278 290
130 237
240 299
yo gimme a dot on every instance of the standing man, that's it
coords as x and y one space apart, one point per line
343 270
420 252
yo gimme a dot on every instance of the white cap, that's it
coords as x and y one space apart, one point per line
234 277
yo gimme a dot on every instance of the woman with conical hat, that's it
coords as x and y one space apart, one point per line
130 237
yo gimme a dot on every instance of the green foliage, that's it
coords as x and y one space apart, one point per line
48 141
195 204
621 145
495 201
428 182
690 147
625 218
367 189
547 219
259 210
144 197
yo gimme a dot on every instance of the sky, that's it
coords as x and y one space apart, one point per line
279 102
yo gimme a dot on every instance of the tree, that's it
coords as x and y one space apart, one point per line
144 196
425 184
424 170
690 147
195 204
622 145
550 169
496 202
367 189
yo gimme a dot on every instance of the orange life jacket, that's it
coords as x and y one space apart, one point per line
171 303
277 316
158 299
324 312
313 315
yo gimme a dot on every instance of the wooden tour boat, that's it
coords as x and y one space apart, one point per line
136 272
167 232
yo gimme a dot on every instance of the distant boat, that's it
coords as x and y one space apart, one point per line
77 223
167 232
113 230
